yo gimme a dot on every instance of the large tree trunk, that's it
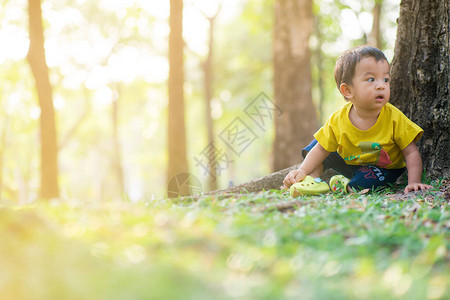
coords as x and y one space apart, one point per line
177 164
421 77
36 58
292 81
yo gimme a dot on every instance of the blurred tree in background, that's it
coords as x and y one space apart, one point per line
210 13
297 123
177 133
374 38
36 57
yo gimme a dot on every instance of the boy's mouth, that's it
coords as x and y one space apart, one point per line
380 98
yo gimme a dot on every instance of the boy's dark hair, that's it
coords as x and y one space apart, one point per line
345 65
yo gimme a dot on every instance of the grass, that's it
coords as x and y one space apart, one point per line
379 245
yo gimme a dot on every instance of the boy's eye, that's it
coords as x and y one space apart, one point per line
386 80
371 79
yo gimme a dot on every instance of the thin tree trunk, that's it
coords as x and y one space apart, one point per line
320 70
208 85
36 58
2 151
116 141
375 35
421 77
177 164
294 128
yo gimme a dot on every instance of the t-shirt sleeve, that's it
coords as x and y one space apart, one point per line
326 137
406 132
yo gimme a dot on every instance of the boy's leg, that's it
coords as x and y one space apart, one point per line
362 177
333 161
371 177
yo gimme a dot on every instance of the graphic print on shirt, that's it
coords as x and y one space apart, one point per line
371 154
371 172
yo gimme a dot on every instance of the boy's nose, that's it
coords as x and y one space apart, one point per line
381 85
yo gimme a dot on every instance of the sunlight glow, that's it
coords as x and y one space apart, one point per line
154 69
195 30
216 108
208 7
17 43
135 253
116 5
124 65
195 24
75 80
100 249
353 4
103 96
62 17
17 102
160 9
97 78
35 113
350 24
150 130
225 95
13 102
365 21
59 102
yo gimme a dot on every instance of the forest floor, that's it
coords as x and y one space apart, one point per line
267 245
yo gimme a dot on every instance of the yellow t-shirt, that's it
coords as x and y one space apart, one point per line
381 145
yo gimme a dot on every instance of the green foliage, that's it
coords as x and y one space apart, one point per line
246 246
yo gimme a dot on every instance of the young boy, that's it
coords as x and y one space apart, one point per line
368 140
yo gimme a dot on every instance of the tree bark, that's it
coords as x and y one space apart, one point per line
273 181
269 182
36 58
292 81
421 77
177 163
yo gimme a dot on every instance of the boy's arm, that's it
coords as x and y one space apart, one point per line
312 161
414 166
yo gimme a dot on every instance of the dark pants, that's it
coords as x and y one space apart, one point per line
361 177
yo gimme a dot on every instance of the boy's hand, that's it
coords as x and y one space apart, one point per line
416 186
293 177
414 165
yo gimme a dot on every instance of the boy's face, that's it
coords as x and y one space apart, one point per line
370 88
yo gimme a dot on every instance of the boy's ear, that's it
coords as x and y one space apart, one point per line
345 90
